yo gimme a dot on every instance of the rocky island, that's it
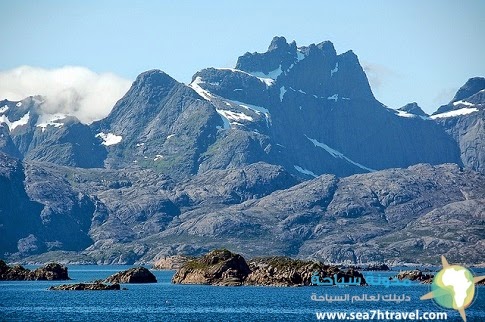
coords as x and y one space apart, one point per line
86 287
224 268
134 275
49 272
416 275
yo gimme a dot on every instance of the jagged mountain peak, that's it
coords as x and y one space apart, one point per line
471 87
280 43
413 108
468 99
326 48
315 71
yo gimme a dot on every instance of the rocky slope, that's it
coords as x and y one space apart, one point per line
464 119
402 215
170 262
29 133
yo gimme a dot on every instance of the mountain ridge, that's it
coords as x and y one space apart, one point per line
289 153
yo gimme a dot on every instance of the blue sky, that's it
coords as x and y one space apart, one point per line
413 50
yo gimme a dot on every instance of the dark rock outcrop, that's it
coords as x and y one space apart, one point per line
134 275
49 272
86 287
223 268
416 275
219 267
285 271
377 267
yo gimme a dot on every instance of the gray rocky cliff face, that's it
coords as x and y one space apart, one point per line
28 133
320 115
163 124
464 120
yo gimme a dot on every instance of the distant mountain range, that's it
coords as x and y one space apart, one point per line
224 161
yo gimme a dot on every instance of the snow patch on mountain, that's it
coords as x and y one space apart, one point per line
12 125
109 138
195 85
333 71
305 171
266 80
46 120
461 111
338 154
282 93
235 116
272 74
405 114
3 109
257 109
463 103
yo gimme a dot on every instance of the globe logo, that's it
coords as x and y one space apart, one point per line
453 287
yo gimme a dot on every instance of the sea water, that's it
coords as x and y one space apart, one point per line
163 301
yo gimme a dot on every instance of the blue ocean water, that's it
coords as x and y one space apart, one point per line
163 301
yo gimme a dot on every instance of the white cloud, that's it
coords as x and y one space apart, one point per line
378 74
70 90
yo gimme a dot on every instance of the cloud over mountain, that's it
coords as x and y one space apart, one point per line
72 90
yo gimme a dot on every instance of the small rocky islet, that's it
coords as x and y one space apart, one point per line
57 272
415 275
48 272
86 287
135 275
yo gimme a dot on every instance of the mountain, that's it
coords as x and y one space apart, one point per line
307 109
288 153
31 134
106 216
464 119
160 123
413 109
313 112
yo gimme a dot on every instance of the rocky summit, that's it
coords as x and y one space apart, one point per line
287 154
